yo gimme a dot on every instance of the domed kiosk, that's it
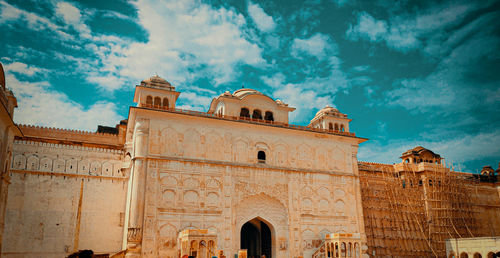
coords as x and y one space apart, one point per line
156 92
330 118
251 104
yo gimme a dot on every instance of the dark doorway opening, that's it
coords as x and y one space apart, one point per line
256 238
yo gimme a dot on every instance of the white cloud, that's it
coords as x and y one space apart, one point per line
305 100
368 27
313 92
69 13
22 68
195 100
186 40
410 31
318 45
182 35
73 17
263 21
11 13
418 94
275 81
448 86
41 105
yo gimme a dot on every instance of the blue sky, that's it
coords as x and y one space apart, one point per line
407 72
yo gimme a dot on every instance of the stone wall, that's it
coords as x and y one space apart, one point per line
204 173
64 198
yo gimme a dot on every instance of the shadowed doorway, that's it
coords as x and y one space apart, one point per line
256 238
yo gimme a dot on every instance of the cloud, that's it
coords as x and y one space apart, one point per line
410 31
22 68
263 21
41 105
400 37
420 94
195 101
305 100
72 16
453 85
10 13
69 13
199 42
318 45
368 28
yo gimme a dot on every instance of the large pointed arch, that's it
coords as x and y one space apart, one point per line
269 210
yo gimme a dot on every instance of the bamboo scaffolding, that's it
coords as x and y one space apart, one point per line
411 213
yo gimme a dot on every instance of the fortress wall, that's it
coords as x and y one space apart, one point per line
64 198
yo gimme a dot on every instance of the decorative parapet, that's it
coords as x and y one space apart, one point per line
56 135
420 167
249 120
67 146
375 167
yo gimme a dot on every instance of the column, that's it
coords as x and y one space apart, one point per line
139 167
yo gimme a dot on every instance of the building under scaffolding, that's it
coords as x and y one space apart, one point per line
411 208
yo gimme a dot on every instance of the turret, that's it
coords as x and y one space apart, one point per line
156 92
420 154
251 104
329 118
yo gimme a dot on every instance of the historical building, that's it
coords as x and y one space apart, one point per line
8 130
168 182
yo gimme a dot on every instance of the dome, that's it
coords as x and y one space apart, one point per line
419 150
241 93
156 81
328 110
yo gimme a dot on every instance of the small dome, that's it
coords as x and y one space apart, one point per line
156 81
418 150
328 110
244 92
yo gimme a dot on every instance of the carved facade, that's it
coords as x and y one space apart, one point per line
239 171
203 171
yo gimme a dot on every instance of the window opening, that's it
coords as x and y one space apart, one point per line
269 116
261 157
157 102
244 112
257 114
165 103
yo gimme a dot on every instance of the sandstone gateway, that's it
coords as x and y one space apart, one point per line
168 182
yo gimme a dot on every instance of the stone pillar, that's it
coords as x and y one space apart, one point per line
5 159
359 201
139 169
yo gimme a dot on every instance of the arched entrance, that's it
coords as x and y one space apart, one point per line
255 236
272 212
